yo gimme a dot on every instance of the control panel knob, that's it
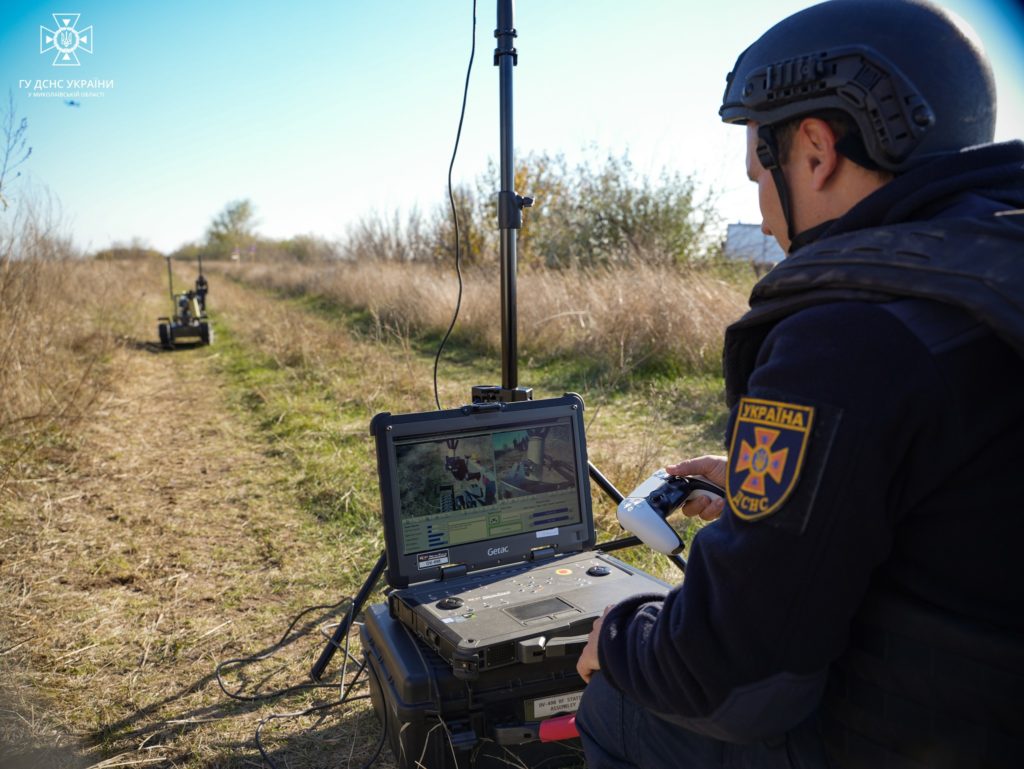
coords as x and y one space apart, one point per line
599 571
451 602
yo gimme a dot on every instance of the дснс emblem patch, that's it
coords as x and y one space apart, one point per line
769 440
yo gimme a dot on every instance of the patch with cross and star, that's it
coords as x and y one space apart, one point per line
766 453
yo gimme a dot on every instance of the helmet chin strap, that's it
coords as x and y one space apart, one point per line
768 155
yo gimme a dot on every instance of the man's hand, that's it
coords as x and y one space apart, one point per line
714 469
589 661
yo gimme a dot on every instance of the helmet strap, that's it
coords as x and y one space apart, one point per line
768 155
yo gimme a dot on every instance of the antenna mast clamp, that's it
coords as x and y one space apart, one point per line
510 209
505 47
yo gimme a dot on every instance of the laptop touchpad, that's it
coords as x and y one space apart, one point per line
543 609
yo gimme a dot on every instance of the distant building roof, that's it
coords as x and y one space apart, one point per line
746 243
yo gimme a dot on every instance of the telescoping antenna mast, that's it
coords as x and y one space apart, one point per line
510 217
170 286
510 221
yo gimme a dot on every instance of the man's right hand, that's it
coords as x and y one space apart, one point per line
714 469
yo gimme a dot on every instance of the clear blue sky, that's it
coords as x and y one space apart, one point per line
320 111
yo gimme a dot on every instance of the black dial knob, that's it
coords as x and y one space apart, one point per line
451 602
599 571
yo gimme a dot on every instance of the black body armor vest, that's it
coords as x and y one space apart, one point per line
918 687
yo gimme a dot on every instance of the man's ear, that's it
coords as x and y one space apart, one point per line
817 143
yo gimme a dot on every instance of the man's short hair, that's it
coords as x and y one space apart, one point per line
848 141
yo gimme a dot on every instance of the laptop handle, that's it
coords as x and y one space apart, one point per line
540 648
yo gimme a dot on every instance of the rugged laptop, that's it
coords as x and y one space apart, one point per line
489 528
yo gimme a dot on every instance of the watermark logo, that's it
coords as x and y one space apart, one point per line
66 39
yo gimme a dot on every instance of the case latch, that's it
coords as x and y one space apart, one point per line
453 571
542 553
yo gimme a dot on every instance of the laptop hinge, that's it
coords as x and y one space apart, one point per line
453 571
542 553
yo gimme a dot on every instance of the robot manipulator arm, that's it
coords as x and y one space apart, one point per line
645 511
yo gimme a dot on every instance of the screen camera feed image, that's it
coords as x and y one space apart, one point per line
477 486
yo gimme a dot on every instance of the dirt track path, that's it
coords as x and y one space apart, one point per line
171 543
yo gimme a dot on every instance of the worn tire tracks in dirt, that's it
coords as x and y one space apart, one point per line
170 543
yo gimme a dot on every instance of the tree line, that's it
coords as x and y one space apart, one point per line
596 212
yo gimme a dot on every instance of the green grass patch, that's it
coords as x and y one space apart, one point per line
306 424
657 417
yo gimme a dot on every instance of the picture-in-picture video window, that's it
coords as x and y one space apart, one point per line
474 487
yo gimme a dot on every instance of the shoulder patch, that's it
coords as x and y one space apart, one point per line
766 454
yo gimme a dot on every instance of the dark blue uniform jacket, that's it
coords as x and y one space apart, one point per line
911 479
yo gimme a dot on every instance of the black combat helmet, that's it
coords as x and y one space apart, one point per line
910 77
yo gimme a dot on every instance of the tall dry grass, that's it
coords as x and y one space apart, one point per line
60 319
619 319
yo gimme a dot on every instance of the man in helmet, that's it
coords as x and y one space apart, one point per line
858 601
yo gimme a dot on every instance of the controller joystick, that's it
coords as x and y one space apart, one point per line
645 510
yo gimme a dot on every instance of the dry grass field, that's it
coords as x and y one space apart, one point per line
161 512
621 319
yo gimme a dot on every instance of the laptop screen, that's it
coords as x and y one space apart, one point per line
482 485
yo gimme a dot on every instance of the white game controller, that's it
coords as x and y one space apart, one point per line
645 511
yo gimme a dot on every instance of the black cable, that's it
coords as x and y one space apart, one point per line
236 695
455 214
346 692
313 709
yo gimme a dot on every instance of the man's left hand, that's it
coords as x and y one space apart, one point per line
589 661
